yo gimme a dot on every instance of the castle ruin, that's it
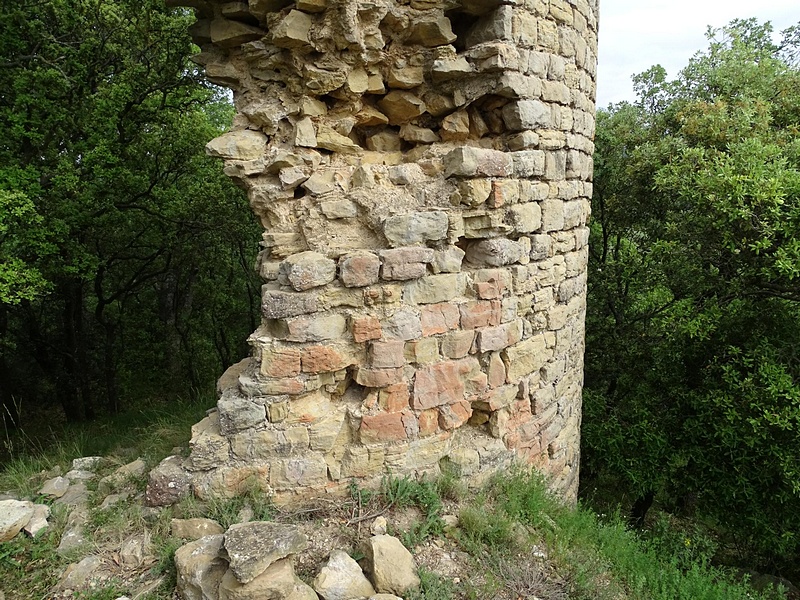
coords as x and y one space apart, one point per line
422 170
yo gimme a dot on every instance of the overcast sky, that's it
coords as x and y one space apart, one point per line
637 34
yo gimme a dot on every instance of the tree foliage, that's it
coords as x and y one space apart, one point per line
693 373
126 253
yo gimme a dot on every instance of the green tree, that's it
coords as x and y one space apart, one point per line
126 246
692 376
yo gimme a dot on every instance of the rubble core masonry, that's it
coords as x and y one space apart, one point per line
422 170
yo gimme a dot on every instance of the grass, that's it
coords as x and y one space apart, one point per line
602 558
520 541
150 433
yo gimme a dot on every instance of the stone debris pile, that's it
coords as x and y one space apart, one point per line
255 561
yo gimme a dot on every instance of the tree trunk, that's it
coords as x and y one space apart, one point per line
10 414
639 510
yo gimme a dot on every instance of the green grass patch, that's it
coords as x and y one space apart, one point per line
602 558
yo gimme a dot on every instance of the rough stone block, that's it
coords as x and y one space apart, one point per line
541 246
359 269
238 145
439 318
406 263
435 288
529 163
292 31
388 354
490 284
500 337
401 107
474 192
527 114
416 228
324 359
366 328
404 324
494 252
312 328
481 313
382 427
237 414
504 191
424 351
525 218
452 416
457 344
307 270
439 384
431 32
377 378
277 361
291 473
276 304
526 357
468 161
552 215
394 398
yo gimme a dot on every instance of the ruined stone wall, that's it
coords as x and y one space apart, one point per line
422 170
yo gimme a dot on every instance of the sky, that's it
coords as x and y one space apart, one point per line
637 34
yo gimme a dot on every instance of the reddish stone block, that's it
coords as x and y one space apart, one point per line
428 422
322 359
378 378
452 416
482 313
406 263
490 284
528 432
280 362
439 318
285 385
395 397
501 337
387 354
404 271
438 384
477 383
366 328
503 192
383 427
359 269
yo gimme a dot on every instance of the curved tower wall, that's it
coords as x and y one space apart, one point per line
422 170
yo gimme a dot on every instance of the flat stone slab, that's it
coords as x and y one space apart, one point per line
194 529
14 515
39 519
394 570
55 487
342 579
252 547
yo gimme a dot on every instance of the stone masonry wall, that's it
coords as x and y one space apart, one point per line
422 170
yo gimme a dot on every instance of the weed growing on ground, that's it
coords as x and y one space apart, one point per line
110 591
164 549
422 494
603 559
228 511
432 587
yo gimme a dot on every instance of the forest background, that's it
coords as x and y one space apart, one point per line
127 279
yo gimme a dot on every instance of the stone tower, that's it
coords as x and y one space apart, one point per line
422 170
